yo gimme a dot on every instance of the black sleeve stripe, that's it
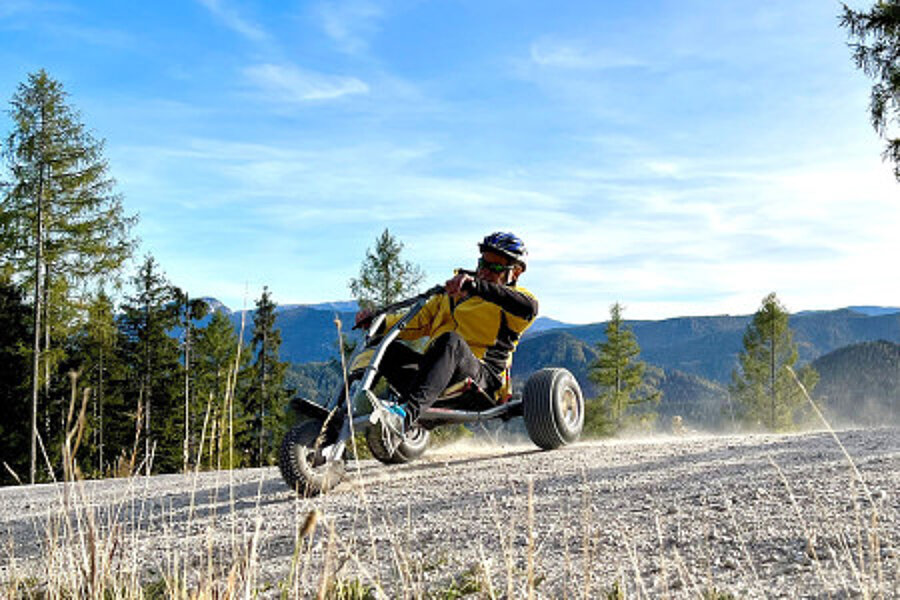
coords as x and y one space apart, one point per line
516 303
497 356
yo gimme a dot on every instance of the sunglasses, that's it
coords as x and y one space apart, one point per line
493 267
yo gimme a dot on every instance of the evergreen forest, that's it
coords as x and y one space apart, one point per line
101 355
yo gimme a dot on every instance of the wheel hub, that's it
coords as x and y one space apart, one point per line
569 405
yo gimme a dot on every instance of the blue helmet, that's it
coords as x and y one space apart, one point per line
508 244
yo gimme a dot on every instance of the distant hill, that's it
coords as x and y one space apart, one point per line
558 348
708 346
307 334
215 305
704 346
315 381
860 383
702 403
339 306
545 324
873 311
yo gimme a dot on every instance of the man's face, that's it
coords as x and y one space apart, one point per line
495 268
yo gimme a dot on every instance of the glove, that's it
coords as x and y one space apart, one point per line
363 319
459 285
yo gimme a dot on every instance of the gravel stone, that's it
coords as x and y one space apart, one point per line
755 516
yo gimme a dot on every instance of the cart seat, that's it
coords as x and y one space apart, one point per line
466 394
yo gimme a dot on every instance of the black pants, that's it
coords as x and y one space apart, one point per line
422 377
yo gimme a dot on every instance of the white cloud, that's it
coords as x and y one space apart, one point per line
549 52
350 23
10 8
15 8
234 21
661 252
284 83
118 39
666 231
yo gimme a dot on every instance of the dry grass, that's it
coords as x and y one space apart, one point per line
90 552
98 550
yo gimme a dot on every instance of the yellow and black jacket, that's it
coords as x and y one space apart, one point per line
491 319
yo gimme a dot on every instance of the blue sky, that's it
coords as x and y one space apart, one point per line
682 158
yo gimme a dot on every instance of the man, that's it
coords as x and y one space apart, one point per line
473 329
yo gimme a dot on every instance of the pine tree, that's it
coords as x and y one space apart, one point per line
267 392
14 340
619 375
96 349
762 386
61 222
219 371
876 51
384 277
188 310
153 359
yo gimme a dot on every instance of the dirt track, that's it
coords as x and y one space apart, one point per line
754 516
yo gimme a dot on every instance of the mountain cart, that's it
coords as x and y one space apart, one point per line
312 457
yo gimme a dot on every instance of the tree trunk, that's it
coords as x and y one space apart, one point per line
187 379
101 399
262 398
772 399
147 428
46 325
149 391
36 347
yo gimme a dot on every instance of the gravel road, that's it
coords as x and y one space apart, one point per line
748 516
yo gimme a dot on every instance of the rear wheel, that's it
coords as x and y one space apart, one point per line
411 448
306 459
553 408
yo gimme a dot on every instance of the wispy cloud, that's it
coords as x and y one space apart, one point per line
290 84
11 9
673 160
234 21
98 37
711 244
574 54
350 24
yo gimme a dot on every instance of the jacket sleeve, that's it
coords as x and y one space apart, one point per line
516 302
422 324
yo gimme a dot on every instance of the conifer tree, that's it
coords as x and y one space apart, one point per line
61 221
14 341
148 317
220 379
384 277
876 51
188 310
97 348
762 387
267 394
619 376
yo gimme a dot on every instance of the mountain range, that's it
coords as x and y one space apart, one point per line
860 383
708 346
691 358
703 346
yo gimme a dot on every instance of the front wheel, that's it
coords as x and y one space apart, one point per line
306 459
553 408
412 447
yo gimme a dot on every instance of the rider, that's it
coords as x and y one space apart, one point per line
473 329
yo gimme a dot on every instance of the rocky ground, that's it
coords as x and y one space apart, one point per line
749 516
